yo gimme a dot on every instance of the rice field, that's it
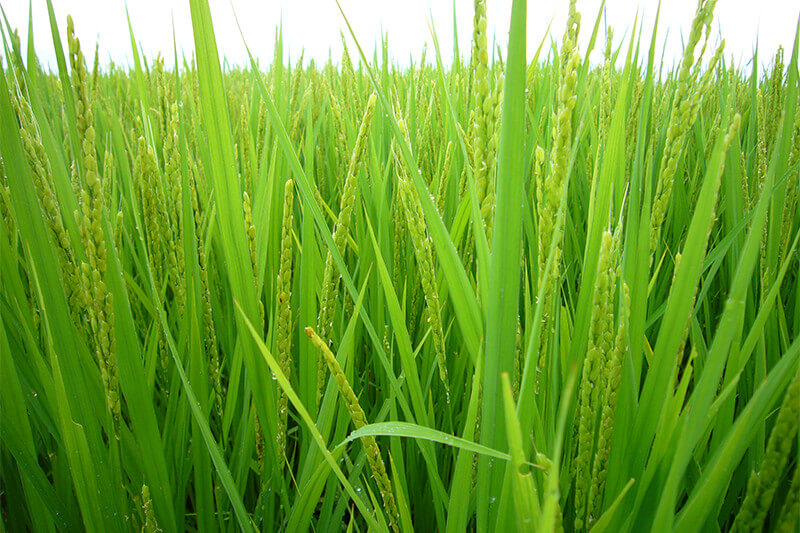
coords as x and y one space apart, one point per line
511 293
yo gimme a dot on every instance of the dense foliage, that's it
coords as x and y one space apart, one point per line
508 293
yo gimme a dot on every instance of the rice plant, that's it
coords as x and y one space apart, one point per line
511 292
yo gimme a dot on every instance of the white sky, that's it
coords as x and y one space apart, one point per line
314 25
